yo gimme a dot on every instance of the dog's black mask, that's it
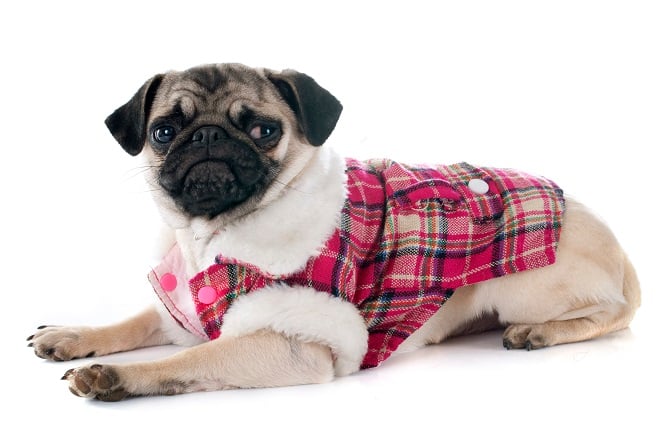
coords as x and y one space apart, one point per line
211 172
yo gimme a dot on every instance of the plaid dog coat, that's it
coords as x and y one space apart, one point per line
408 237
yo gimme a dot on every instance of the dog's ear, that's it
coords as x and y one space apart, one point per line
317 109
127 124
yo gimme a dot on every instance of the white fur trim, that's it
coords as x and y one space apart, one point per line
306 314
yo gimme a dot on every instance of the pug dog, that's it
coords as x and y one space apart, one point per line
285 264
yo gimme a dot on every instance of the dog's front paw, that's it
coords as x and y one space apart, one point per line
530 337
62 343
95 382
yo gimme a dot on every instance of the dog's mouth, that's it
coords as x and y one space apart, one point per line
209 187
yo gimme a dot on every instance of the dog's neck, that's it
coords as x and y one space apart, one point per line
282 235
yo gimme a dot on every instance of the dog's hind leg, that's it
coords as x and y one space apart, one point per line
263 359
580 324
590 291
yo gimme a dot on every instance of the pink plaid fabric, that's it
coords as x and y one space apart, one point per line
408 237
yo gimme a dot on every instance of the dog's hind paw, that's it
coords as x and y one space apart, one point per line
530 337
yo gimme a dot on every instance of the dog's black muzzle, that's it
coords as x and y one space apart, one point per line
212 172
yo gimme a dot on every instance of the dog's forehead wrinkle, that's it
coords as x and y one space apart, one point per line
213 89
185 105
208 77
213 77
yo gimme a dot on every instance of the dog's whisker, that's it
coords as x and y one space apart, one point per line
292 187
139 170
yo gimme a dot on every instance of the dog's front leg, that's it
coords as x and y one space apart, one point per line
65 343
262 359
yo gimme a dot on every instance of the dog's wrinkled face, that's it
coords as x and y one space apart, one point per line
217 137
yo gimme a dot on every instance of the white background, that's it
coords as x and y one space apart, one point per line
566 89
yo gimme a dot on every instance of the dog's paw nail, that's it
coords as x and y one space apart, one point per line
41 327
91 354
528 346
31 344
507 344
31 337
68 374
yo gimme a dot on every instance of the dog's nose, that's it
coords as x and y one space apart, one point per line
207 135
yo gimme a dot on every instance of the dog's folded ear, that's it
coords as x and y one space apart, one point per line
317 109
127 124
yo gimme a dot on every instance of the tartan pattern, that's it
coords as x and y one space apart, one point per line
408 237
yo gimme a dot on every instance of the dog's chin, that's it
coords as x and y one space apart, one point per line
207 208
211 188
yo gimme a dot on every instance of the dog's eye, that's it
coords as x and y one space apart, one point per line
164 134
261 131
265 135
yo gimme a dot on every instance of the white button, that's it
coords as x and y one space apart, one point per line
478 186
